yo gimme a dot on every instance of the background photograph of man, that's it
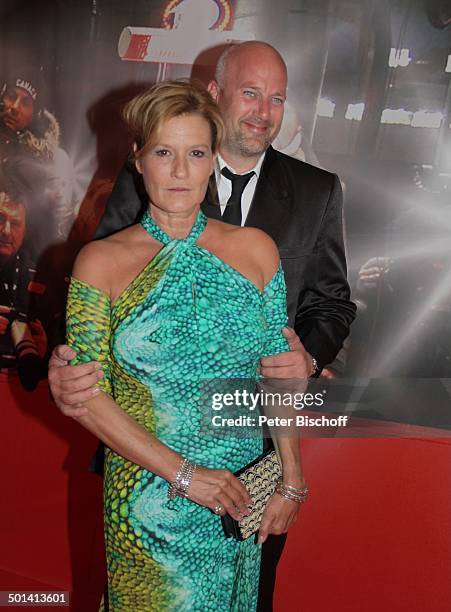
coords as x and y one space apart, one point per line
23 340
30 143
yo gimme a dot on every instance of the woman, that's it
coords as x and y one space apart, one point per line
162 305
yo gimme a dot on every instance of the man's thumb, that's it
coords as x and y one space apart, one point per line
292 338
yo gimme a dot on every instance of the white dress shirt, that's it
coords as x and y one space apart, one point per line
225 186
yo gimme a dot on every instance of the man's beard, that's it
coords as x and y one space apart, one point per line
249 146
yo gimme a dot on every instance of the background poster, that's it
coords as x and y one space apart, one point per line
369 98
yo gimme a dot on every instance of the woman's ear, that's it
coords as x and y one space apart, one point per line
137 160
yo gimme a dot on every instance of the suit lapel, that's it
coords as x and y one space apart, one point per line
210 205
270 208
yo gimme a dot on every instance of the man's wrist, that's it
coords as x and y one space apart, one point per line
314 368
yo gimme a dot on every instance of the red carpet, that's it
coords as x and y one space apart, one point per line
375 533
50 512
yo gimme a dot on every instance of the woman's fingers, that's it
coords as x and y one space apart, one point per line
278 517
230 493
240 495
220 489
223 493
228 507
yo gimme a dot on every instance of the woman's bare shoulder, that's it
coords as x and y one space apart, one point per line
258 239
263 249
101 262
127 235
94 264
253 243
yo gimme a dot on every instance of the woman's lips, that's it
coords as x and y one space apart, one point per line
178 189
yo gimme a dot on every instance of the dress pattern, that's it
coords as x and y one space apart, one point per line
186 317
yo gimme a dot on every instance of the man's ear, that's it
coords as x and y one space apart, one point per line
137 160
213 90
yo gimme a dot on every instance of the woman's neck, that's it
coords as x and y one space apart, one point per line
177 225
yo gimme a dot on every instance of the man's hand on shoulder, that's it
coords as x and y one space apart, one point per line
295 363
71 386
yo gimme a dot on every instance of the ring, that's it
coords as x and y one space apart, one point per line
218 509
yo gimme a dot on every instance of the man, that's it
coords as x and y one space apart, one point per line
298 205
29 143
23 341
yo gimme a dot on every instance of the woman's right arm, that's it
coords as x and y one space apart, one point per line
88 328
125 436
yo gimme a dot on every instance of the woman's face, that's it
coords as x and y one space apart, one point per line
177 166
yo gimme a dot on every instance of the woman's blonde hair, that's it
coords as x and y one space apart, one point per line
146 113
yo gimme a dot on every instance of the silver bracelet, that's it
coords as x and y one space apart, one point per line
291 493
182 481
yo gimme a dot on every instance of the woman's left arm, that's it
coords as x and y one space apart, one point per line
280 513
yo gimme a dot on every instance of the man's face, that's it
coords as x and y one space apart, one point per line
12 226
251 100
18 108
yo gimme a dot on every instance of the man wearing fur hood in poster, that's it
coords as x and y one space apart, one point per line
29 145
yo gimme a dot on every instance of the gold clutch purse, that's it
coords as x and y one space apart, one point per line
260 478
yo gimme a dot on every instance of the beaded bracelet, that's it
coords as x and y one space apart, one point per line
292 493
182 481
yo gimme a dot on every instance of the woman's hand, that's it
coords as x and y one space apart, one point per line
220 489
280 513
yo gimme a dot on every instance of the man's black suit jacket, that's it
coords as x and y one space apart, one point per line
301 208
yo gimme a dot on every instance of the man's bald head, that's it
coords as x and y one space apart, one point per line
247 51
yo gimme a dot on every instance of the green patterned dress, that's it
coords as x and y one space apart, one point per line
187 316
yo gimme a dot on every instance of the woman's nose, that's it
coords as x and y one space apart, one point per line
180 167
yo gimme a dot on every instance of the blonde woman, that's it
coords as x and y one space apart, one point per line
161 305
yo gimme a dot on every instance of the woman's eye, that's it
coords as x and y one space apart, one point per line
198 153
162 152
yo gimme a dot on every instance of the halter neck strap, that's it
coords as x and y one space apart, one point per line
154 230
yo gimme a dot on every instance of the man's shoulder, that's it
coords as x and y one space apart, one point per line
298 167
